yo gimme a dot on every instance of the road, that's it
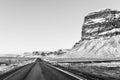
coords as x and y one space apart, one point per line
40 70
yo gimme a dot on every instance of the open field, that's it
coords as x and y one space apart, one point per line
78 60
101 68
110 70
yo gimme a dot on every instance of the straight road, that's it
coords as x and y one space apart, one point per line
39 71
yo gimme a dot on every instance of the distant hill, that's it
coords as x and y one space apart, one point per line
10 55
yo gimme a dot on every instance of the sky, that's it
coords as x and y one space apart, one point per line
44 25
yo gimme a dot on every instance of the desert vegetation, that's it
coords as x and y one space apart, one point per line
110 70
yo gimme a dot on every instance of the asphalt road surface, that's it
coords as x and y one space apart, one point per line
39 70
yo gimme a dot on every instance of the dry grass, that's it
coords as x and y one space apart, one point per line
98 70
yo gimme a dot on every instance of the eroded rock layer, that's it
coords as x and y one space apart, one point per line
105 23
100 36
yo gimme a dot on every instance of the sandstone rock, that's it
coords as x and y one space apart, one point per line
105 23
100 36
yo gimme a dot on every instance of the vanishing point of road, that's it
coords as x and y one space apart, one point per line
39 70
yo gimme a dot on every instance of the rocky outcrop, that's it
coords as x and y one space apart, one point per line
100 36
105 23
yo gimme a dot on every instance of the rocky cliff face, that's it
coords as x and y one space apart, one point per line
105 23
100 36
